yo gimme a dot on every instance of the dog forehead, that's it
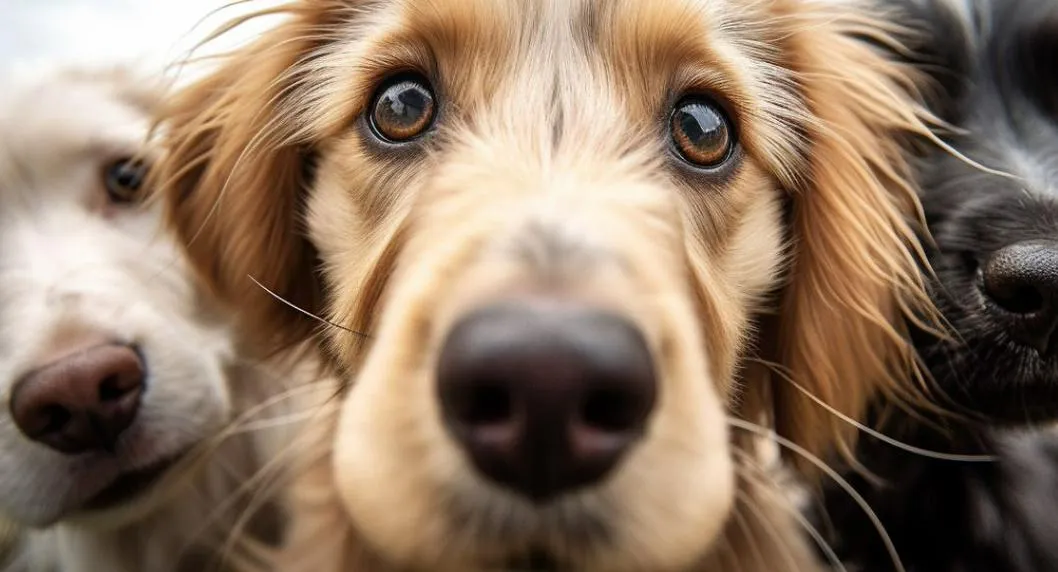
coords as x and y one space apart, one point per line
551 26
1009 103
591 68
533 50
53 125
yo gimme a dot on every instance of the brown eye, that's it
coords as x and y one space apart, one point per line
124 180
701 132
403 110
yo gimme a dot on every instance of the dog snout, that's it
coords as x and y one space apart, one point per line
545 397
1022 282
82 402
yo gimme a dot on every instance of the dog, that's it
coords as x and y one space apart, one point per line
994 256
126 441
559 252
8 538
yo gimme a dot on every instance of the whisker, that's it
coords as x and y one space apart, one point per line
829 472
274 468
769 484
272 423
268 471
777 369
784 549
751 540
320 319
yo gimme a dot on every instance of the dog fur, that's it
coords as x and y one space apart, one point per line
78 269
550 171
991 63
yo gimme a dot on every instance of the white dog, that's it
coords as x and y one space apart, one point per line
121 395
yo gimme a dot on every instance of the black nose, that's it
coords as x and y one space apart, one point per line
80 403
545 396
1022 281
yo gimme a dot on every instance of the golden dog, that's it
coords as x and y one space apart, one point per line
553 242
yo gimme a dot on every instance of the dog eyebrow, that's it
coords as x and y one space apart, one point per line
635 44
694 47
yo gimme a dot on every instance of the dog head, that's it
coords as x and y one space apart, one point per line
541 235
996 236
110 367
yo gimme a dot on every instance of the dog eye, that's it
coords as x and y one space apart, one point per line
403 110
701 132
124 179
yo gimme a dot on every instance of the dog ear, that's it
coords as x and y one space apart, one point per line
233 185
856 278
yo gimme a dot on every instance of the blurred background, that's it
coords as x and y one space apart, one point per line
35 34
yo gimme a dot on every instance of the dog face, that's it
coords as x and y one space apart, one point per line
557 224
996 237
110 370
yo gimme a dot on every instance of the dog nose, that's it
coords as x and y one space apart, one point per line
545 397
1022 281
82 402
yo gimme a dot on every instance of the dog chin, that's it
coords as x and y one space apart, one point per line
133 493
515 534
127 494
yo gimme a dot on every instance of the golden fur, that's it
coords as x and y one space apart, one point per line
549 173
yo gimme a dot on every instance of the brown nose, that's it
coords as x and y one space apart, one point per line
545 397
1022 282
82 402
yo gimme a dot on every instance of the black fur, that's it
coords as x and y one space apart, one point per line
995 75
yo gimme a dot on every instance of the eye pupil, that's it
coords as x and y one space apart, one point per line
701 132
124 178
403 110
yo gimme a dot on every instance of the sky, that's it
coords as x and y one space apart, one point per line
39 33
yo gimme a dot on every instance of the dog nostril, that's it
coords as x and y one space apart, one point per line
55 418
80 403
110 390
1022 278
1016 298
1021 282
612 410
545 396
481 404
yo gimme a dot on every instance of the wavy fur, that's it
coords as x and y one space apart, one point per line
78 269
804 259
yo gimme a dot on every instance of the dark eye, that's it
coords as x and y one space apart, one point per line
403 109
701 132
124 180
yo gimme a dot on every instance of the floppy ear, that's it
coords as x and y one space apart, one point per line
233 184
855 279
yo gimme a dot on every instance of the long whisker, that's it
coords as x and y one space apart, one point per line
274 471
320 319
238 427
751 540
725 552
771 486
829 472
777 369
783 548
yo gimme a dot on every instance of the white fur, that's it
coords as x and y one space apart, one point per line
76 269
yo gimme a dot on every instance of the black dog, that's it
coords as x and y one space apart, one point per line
993 63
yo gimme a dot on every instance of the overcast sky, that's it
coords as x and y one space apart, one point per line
33 32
